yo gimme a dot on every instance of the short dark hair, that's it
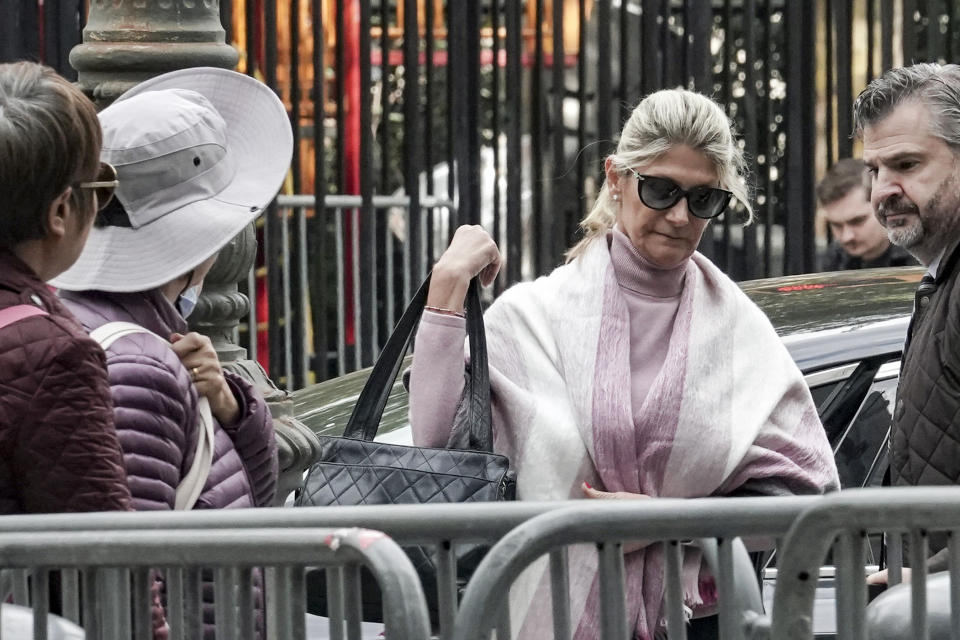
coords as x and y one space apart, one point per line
50 139
841 179
936 86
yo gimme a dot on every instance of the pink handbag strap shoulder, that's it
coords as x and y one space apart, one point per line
19 312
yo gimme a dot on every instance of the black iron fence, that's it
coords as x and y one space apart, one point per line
433 113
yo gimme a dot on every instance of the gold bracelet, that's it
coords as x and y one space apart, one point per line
442 311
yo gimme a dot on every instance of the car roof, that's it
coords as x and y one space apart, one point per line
828 318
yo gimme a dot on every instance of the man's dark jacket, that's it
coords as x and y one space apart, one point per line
925 432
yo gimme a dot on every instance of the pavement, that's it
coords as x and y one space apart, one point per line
318 628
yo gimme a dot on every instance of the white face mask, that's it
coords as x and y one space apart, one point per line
187 301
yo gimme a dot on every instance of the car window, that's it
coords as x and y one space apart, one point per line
823 383
822 392
855 401
843 403
860 453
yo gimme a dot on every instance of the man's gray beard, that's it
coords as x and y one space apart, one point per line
907 235
936 227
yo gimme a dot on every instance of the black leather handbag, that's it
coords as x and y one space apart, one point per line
353 469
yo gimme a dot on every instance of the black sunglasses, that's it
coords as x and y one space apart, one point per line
662 193
104 186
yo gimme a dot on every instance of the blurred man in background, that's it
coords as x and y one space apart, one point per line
859 240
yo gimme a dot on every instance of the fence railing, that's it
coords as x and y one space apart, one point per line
841 523
444 530
114 570
313 281
717 523
437 99
114 556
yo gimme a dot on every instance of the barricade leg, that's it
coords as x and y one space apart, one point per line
954 567
91 614
297 579
20 587
559 592
70 594
335 602
503 623
613 608
286 623
849 558
192 604
918 583
446 586
142 619
894 558
729 627
673 592
225 601
173 579
246 604
40 588
352 601
113 596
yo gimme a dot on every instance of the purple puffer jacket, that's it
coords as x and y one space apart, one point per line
155 403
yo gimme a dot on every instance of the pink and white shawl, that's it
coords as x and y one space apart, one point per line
729 411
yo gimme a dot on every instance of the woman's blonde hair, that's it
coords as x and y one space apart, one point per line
661 121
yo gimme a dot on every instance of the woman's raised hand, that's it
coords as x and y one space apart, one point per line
471 252
197 354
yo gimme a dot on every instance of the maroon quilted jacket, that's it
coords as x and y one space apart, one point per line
156 414
58 446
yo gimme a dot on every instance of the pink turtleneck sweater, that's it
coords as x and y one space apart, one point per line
652 296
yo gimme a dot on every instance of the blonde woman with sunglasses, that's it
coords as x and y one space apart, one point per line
58 444
636 370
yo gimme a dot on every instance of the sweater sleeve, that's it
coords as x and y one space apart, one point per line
436 378
254 439
154 425
74 432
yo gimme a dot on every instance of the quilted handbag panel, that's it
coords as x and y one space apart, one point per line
351 472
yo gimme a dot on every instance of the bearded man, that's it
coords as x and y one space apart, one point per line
909 120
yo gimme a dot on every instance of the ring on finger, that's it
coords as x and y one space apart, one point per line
195 373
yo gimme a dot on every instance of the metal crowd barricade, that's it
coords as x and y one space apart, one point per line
447 527
719 521
842 522
441 528
115 564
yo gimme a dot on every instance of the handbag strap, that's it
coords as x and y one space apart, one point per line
191 485
365 419
19 312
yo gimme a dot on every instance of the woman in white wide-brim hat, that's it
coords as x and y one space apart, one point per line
199 153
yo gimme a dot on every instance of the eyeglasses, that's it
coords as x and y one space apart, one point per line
104 185
662 193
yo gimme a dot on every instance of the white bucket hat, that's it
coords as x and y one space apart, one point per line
199 153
